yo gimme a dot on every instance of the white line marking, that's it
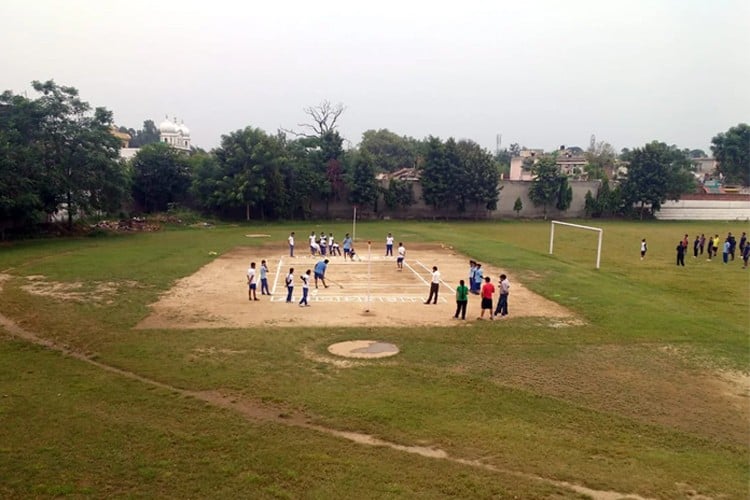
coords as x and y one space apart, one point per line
418 275
276 278
441 281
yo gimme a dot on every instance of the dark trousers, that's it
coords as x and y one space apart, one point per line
461 308
304 296
680 259
264 287
289 291
389 250
434 287
502 305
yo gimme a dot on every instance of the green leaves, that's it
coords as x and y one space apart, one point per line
732 150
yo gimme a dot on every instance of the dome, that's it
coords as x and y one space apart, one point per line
167 126
182 128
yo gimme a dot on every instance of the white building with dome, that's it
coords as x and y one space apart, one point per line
174 134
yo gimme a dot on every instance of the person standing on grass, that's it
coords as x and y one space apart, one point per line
726 250
488 290
252 283
291 244
314 247
702 242
743 242
716 243
401 256
434 286
680 254
289 285
320 272
745 255
347 245
644 248
264 278
685 242
462 299
305 288
732 245
696 246
389 245
502 303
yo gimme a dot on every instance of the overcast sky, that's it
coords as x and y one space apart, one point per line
541 73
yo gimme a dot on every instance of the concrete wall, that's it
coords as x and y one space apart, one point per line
705 209
508 194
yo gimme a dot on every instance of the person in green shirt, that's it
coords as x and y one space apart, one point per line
462 299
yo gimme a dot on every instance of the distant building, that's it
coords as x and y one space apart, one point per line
170 132
174 134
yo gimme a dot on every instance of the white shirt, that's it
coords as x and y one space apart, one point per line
504 287
251 275
290 279
436 277
305 281
312 239
401 251
330 241
291 240
389 240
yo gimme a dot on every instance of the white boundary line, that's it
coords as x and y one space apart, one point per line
276 278
416 273
441 281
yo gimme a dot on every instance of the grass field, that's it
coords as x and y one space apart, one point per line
647 396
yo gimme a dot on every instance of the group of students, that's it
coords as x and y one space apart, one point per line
252 280
487 292
711 246
325 245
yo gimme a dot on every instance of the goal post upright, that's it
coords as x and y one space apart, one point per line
599 230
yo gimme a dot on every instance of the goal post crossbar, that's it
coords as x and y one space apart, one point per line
579 226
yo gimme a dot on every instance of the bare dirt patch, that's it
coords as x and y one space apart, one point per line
102 292
216 295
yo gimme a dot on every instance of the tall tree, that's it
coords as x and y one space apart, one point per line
363 189
440 179
545 188
79 154
656 172
732 150
250 163
149 134
389 151
480 177
601 159
161 176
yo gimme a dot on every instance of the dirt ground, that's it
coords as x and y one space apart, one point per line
216 295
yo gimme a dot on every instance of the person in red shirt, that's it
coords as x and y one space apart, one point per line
488 290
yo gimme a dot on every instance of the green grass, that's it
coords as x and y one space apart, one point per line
629 400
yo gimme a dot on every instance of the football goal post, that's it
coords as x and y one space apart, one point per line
579 226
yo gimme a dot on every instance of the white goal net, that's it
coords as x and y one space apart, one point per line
578 226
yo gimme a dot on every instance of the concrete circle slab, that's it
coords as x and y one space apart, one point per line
363 349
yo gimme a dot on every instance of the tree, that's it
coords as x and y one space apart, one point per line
545 188
656 172
518 206
601 159
564 194
389 151
441 174
479 177
250 162
79 155
398 194
149 134
161 176
732 151
363 189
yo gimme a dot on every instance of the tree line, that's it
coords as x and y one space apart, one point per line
56 151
